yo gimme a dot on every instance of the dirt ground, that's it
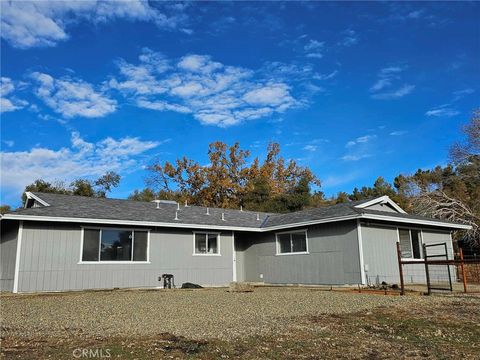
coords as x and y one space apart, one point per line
269 323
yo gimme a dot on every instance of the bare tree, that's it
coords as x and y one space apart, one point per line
440 205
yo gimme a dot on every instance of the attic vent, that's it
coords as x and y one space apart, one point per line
164 202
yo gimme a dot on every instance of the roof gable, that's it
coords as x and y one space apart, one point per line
382 203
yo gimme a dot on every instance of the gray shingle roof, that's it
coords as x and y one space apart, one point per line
115 209
80 207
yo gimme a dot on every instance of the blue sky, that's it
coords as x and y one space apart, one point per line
352 90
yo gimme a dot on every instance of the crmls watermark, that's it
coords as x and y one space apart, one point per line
91 353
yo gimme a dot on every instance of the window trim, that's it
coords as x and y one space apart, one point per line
207 233
277 243
420 233
113 262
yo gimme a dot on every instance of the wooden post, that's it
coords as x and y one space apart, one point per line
400 269
427 273
464 276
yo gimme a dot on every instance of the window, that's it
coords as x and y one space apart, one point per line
112 245
410 243
206 244
292 243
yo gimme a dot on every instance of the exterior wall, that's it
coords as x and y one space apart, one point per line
8 251
333 257
382 207
380 256
50 255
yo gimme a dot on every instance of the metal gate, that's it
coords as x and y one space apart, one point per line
443 255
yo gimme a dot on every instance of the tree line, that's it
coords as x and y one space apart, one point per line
274 184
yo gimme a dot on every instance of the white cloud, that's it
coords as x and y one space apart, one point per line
387 87
310 147
72 97
315 55
398 133
457 95
81 159
313 49
9 143
350 38
216 94
10 103
360 140
313 45
26 24
326 76
355 157
442 111
395 94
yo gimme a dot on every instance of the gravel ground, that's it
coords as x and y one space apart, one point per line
198 314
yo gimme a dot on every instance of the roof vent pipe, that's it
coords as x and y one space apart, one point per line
176 215
186 203
241 208
258 217
223 216
178 206
208 211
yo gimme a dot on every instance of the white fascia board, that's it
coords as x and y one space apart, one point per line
172 225
234 228
415 221
123 222
382 200
35 197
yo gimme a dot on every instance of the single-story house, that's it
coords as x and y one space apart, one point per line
64 242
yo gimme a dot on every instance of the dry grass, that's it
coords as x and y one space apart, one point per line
268 323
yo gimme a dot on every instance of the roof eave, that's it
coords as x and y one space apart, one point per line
237 228
416 221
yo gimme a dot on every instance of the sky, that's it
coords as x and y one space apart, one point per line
352 90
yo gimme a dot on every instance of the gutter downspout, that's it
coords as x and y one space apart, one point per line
360 252
17 257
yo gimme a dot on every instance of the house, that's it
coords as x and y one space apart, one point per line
64 242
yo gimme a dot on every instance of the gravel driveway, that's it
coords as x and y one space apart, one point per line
197 314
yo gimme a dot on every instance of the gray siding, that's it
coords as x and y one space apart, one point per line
50 255
8 251
380 256
382 207
333 257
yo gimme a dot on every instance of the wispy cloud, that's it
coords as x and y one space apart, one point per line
459 94
350 38
313 49
26 24
216 94
442 111
72 97
80 159
360 140
387 87
328 76
398 133
310 148
353 157
8 100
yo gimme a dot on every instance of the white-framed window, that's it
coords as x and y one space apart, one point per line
109 245
410 243
206 243
292 242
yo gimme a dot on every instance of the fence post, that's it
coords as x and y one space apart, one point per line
427 274
464 276
400 269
